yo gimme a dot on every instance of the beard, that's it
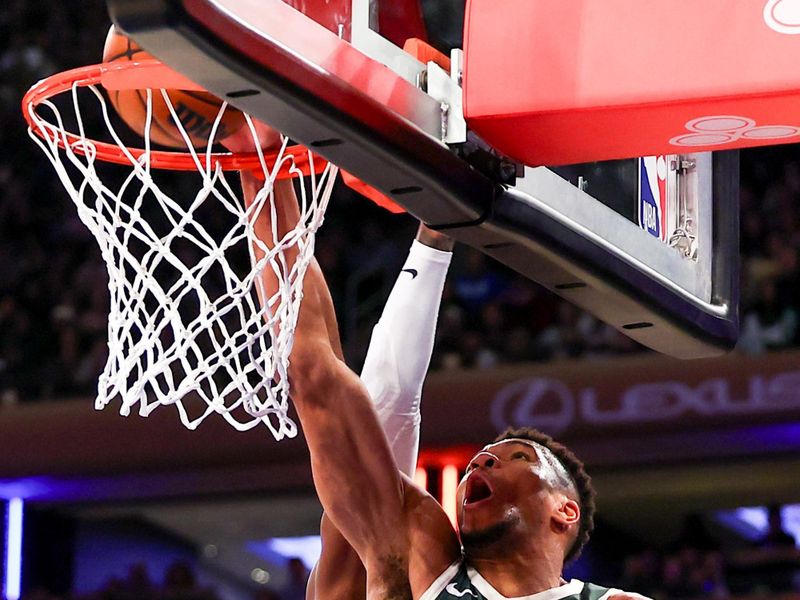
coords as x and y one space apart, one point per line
476 541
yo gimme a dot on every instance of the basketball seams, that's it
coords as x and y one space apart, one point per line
156 124
129 51
193 108
129 54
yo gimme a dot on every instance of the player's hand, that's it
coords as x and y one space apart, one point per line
434 239
243 140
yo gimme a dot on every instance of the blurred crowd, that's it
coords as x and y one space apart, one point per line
180 583
770 240
54 300
698 565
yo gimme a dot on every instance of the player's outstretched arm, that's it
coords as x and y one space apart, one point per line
400 349
394 371
354 471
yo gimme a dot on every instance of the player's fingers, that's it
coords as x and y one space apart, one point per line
247 139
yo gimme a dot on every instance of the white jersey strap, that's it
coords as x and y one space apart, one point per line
440 583
572 588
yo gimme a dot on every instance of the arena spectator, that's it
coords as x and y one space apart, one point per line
477 283
771 324
773 562
295 589
642 572
776 536
180 584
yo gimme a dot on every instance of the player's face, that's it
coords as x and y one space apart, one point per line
503 488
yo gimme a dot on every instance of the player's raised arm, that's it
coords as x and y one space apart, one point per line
353 468
354 471
394 371
400 349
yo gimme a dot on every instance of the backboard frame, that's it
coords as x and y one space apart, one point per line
277 64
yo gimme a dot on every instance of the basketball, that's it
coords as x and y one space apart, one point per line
197 111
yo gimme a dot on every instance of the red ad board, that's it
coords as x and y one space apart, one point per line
583 80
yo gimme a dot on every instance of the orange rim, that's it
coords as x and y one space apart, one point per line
154 71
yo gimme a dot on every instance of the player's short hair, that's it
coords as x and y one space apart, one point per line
577 473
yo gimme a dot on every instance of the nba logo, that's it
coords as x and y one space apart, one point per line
653 195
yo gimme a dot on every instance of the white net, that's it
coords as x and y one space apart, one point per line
186 326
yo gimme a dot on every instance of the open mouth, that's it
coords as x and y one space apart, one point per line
478 489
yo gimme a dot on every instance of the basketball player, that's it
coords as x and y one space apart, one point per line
524 507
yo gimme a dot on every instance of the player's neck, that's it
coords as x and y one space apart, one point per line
527 570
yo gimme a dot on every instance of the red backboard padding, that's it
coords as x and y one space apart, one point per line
567 81
328 13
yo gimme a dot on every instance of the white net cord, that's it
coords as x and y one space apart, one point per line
186 326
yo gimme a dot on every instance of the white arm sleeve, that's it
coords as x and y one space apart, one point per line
400 350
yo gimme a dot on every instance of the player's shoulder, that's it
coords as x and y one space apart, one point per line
433 542
426 514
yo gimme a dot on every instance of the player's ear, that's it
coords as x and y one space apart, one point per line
567 513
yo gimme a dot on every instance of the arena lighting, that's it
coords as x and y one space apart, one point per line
278 550
13 563
752 521
29 487
449 487
421 477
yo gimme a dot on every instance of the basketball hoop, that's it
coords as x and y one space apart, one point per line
134 75
185 326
